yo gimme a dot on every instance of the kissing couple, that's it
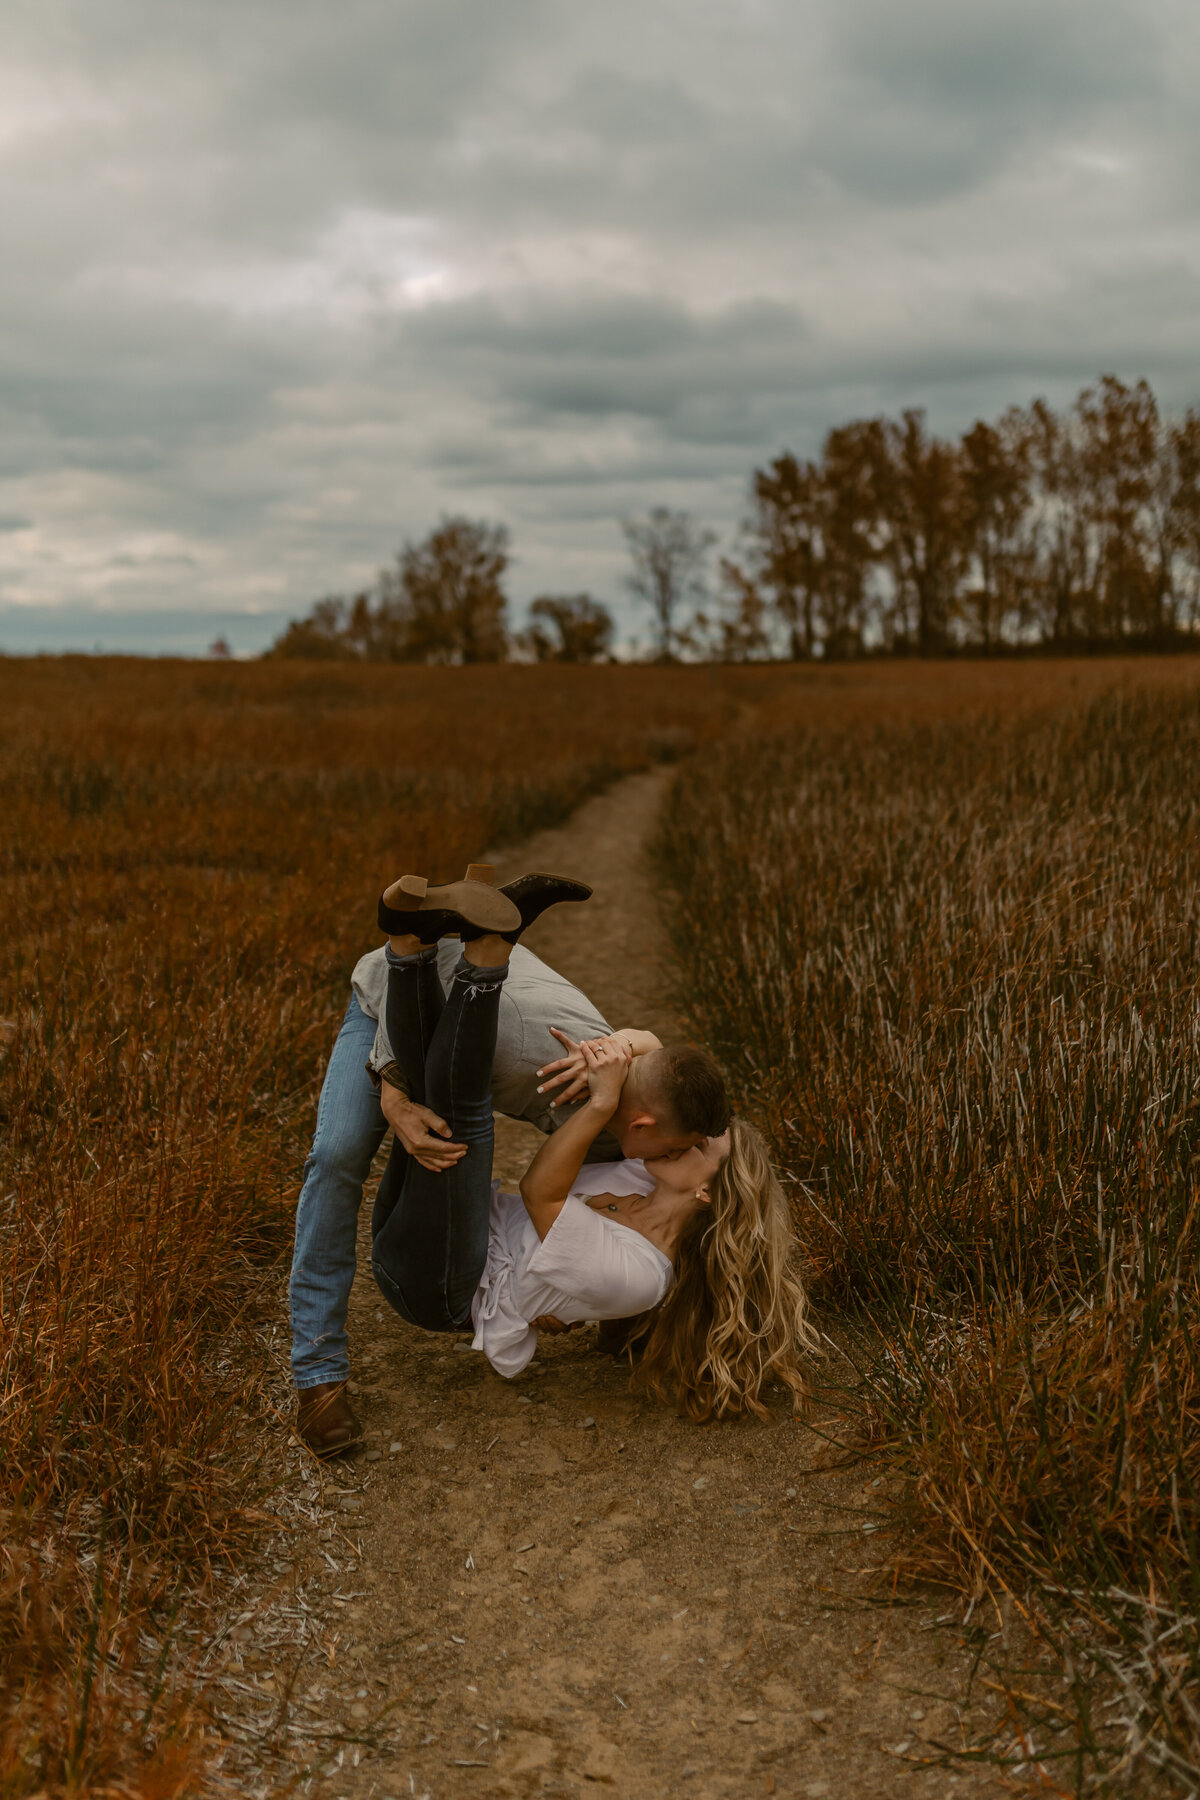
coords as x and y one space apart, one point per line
647 1204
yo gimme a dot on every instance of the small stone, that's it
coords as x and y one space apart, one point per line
747 1718
600 1764
352 1387
395 1447
351 1502
789 1493
358 1710
374 1455
819 1714
815 1789
701 1481
588 1423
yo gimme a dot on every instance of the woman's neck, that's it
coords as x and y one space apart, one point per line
662 1216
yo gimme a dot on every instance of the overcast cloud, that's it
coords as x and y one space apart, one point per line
284 281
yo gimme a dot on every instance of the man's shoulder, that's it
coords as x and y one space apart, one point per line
369 980
371 962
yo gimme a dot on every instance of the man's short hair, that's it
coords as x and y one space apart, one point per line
689 1087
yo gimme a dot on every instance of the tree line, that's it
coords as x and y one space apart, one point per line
1068 530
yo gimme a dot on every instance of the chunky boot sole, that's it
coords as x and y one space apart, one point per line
416 909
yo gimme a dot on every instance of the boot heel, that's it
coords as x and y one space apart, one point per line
485 872
411 908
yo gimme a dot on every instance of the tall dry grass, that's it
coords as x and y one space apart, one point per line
188 863
954 968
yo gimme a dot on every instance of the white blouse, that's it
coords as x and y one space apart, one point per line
588 1266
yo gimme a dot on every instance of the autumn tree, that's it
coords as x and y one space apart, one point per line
320 637
670 552
1185 461
919 499
995 478
447 596
570 628
740 630
1129 465
786 532
851 532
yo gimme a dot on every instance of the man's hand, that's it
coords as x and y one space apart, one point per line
422 1133
554 1327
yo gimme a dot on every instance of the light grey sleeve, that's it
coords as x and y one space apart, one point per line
369 982
535 998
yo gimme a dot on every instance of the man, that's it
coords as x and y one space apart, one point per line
672 1100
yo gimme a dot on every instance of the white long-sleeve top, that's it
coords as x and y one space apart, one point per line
588 1266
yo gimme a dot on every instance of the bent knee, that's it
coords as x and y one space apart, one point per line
339 1161
427 1309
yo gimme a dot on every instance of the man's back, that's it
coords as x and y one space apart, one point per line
534 998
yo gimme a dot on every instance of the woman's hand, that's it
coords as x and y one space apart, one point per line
570 1071
608 1061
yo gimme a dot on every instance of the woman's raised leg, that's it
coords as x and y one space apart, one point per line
413 1006
430 1252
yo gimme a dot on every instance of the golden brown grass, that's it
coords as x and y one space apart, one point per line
189 858
953 965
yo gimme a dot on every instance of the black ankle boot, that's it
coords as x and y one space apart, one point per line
532 894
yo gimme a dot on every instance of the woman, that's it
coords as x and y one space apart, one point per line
704 1236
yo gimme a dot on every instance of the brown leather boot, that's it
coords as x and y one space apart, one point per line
325 1420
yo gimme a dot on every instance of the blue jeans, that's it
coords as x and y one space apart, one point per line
350 1129
430 1231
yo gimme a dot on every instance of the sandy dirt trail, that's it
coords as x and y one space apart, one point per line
555 1587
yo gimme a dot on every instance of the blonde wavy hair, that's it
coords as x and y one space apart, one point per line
734 1317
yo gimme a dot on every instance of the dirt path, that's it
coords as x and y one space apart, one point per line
554 1587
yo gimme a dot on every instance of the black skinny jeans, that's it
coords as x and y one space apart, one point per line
430 1231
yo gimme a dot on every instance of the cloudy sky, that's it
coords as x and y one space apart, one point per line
282 281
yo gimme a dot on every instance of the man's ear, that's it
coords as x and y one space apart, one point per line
642 1121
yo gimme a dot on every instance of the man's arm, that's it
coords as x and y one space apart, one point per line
423 1134
569 1072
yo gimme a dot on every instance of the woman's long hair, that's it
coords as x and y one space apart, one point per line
734 1317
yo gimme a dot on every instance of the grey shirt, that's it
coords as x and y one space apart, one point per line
534 998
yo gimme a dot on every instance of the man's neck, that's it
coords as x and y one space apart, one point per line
631 1102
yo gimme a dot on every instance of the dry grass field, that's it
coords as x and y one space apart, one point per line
953 965
959 985
188 856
